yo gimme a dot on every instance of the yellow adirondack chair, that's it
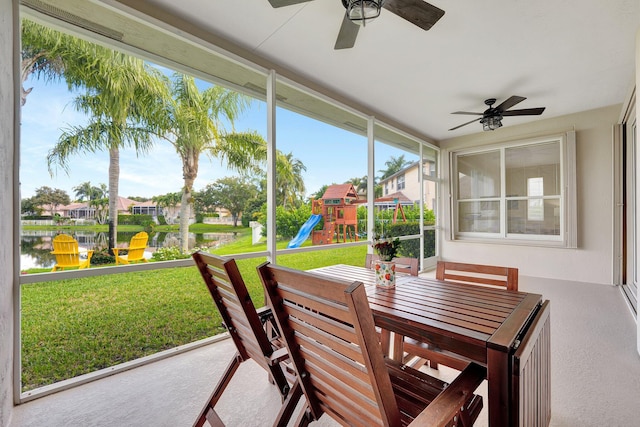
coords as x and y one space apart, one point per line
67 253
135 250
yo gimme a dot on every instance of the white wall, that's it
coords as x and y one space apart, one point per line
592 260
638 121
6 210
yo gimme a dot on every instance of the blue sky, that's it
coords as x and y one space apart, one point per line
331 155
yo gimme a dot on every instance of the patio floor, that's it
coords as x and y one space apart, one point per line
595 375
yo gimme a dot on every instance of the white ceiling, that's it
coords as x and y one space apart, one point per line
568 56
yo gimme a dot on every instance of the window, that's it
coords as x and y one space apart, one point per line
401 182
535 187
515 192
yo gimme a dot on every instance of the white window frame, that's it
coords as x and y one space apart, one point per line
568 201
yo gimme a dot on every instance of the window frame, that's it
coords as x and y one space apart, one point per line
401 182
567 198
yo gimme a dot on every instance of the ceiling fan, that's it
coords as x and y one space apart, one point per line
492 117
361 12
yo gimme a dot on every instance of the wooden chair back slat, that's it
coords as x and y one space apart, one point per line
403 264
234 303
244 324
329 331
323 336
319 297
506 277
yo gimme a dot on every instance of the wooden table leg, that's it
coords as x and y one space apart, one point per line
398 350
498 386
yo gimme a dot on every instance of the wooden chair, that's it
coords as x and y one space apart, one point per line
67 253
245 324
403 264
329 330
135 251
475 274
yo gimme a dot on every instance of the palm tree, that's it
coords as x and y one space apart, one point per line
360 184
101 206
44 53
394 165
169 200
289 180
100 192
83 191
123 95
194 125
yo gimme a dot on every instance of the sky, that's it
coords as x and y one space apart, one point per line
331 155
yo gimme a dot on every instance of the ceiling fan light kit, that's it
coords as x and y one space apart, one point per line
491 123
362 11
491 118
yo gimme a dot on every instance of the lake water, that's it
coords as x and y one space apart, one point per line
36 246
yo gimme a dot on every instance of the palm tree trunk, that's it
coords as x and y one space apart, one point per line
185 213
114 174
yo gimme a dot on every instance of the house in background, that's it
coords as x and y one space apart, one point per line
146 208
406 183
581 65
82 210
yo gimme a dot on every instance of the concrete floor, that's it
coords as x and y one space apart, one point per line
595 376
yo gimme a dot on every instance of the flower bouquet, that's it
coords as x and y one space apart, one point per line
386 247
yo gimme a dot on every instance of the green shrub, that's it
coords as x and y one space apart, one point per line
411 248
102 257
169 253
162 220
142 219
173 252
289 222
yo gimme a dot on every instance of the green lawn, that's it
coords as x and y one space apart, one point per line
73 327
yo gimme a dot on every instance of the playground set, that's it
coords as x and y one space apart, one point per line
339 209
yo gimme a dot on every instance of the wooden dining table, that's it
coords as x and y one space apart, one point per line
493 327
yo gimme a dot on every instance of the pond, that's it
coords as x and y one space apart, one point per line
36 246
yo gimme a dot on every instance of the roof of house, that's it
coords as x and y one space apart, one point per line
340 191
393 197
149 203
123 204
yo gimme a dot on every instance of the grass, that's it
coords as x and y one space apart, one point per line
73 327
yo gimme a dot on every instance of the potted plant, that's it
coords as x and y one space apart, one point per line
386 247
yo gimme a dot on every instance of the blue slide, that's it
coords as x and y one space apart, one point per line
305 230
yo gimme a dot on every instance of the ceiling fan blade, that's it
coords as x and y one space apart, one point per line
464 124
347 35
467 112
508 103
282 3
418 12
524 112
